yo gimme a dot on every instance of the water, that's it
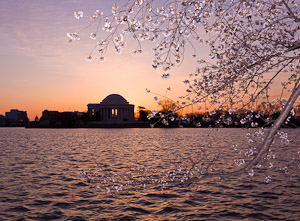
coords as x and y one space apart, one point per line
39 176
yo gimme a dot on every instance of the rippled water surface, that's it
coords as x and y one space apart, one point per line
39 176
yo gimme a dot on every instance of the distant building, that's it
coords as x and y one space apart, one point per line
60 119
114 108
50 116
16 116
2 120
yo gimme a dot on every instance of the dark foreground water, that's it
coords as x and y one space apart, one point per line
39 176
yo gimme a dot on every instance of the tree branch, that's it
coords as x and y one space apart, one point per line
291 12
272 132
267 143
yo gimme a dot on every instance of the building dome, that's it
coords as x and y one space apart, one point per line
113 109
114 99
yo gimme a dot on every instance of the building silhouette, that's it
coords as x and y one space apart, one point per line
2 121
113 108
16 117
60 119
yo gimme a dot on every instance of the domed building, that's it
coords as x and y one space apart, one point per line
113 108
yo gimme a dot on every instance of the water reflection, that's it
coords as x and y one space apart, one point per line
39 176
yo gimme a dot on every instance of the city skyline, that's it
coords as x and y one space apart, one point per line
41 70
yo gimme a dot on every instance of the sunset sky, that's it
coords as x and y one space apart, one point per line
41 70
